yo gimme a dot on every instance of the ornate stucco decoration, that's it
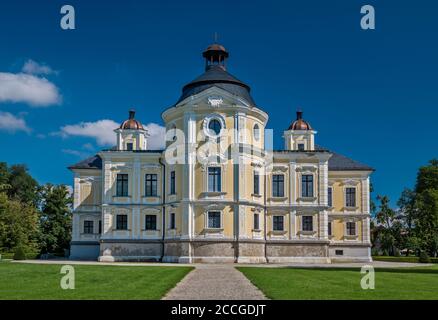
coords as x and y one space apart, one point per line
215 101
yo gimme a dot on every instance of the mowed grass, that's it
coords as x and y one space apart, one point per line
324 284
42 281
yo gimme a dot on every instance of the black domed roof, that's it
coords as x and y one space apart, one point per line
216 75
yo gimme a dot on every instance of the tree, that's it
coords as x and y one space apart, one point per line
427 177
389 228
22 186
427 220
55 219
4 176
408 214
18 224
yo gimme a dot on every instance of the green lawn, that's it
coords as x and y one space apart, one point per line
42 281
300 283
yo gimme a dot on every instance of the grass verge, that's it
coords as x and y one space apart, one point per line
42 281
337 283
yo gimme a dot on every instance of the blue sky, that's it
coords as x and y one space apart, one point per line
371 95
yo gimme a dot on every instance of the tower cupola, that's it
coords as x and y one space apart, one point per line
215 56
131 135
299 136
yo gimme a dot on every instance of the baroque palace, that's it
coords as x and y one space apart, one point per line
216 193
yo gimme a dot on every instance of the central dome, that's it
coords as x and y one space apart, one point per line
216 75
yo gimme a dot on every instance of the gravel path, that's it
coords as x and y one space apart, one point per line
211 282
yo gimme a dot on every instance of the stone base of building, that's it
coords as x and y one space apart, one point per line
297 251
350 252
130 251
220 251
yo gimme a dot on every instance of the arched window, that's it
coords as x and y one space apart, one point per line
256 132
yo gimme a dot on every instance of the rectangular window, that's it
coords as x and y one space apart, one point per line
307 223
172 221
129 146
278 185
214 179
329 229
214 219
172 183
122 185
256 221
88 226
351 228
330 196
151 222
100 226
278 223
350 197
122 222
256 183
307 185
151 185
300 146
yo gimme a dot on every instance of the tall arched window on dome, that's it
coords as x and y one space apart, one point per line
256 132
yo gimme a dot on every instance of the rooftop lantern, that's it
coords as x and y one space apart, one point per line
215 56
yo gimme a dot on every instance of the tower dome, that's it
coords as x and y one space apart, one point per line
300 123
131 123
131 136
216 75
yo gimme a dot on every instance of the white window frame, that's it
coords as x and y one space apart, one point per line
355 229
284 185
256 136
355 196
156 221
302 222
254 173
330 196
207 217
170 220
223 175
284 222
307 173
206 123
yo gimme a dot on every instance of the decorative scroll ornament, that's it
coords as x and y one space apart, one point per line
215 101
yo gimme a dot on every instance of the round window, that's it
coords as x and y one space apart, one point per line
214 127
256 132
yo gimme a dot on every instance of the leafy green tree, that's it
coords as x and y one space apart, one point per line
427 177
18 224
22 186
408 213
389 228
427 220
55 219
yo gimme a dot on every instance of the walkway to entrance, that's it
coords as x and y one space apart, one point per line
221 282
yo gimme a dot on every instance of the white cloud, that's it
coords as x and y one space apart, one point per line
26 88
11 123
157 134
33 67
103 132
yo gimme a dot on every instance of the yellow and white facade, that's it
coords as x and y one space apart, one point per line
216 193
